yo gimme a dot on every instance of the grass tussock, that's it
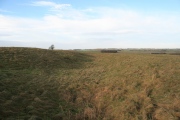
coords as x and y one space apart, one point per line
68 85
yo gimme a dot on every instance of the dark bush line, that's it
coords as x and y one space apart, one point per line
158 53
109 51
174 53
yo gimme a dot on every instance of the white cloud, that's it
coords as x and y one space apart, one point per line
43 3
90 28
5 11
50 4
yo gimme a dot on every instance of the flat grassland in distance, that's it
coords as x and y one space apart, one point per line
66 85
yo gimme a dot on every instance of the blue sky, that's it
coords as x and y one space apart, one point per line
83 24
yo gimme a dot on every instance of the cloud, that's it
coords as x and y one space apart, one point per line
5 11
4 34
90 28
110 33
50 4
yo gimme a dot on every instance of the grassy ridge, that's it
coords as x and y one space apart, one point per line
70 85
25 58
29 81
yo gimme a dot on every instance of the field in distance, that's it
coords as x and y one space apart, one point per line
71 85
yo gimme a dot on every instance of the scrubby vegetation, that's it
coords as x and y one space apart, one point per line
45 84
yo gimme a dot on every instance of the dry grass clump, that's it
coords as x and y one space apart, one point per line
131 86
93 86
168 111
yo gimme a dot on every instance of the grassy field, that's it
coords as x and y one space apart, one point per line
42 84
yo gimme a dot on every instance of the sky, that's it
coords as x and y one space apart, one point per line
90 24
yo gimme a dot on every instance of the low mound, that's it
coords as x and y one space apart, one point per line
30 58
30 86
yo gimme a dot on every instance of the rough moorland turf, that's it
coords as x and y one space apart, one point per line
44 84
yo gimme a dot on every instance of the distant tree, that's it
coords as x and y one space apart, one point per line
51 47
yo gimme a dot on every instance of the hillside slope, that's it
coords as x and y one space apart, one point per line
30 58
28 81
67 85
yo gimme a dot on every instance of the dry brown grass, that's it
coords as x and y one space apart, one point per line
131 86
121 86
